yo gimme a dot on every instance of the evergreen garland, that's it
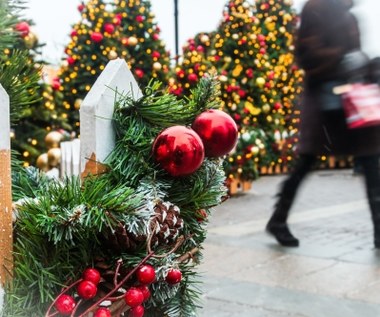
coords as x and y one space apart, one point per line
115 222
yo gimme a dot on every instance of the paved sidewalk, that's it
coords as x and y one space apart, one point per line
334 273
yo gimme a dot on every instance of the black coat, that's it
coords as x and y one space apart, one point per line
328 31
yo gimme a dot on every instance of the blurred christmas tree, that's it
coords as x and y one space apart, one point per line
278 23
193 64
19 73
106 31
126 241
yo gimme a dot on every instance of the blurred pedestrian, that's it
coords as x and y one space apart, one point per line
328 33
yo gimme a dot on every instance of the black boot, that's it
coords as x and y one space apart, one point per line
278 227
282 234
374 203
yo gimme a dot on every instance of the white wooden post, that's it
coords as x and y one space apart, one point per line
96 131
6 241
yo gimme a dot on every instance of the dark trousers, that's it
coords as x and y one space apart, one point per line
371 172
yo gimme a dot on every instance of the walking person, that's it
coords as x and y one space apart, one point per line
328 31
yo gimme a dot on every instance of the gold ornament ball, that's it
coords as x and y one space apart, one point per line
54 157
42 162
77 103
260 81
132 41
112 55
157 66
266 108
30 40
53 139
205 38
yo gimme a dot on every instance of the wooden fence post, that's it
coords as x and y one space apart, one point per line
6 241
96 131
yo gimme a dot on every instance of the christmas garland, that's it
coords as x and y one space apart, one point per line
125 243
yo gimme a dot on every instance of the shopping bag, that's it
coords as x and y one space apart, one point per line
361 104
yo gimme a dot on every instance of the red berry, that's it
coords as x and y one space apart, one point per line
65 304
145 290
102 312
174 276
137 311
146 274
134 297
91 275
87 289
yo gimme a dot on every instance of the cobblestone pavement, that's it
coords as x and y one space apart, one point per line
334 273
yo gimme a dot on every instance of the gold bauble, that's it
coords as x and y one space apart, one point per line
42 162
77 103
54 157
266 108
157 66
53 139
132 41
260 81
205 38
30 40
112 55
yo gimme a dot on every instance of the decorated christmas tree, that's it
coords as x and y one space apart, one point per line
125 242
106 31
194 64
278 22
19 73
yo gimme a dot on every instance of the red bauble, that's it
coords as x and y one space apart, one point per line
74 33
146 274
70 60
139 73
55 84
81 7
137 311
65 304
96 37
23 28
87 289
140 18
145 290
178 150
156 54
92 275
217 130
103 312
192 77
133 297
109 28
277 106
174 276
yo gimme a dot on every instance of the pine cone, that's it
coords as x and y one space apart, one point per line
166 225
121 240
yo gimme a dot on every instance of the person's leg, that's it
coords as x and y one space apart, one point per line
277 225
371 171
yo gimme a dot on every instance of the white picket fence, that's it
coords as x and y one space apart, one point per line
97 138
79 157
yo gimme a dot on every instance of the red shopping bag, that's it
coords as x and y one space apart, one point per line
361 105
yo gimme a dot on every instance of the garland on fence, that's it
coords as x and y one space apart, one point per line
123 243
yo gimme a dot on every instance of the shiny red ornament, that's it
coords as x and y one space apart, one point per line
109 28
87 289
140 18
102 312
55 84
277 106
155 36
133 297
139 73
179 150
92 275
71 60
146 274
74 33
23 28
192 77
96 37
156 54
137 311
65 304
173 277
81 7
218 132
